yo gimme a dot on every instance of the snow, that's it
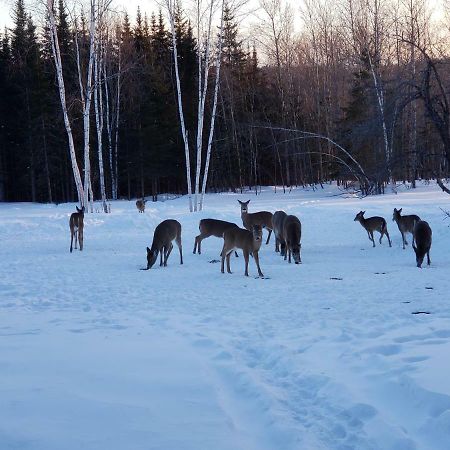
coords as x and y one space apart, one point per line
97 354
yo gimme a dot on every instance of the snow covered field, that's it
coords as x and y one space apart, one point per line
96 354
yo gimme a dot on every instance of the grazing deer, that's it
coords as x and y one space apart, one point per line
277 222
140 205
261 218
405 224
76 224
165 233
211 227
248 241
372 224
422 238
292 234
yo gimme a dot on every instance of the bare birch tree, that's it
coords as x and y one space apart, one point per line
62 95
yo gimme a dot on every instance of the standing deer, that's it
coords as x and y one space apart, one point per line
405 224
422 238
292 234
140 205
261 218
76 224
372 224
277 222
248 241
165 233
211 227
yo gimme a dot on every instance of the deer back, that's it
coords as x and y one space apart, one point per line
292 230
243 239
140 205
261 218
165 233
375 223
215 227
405 223
277 222
422 237
76 220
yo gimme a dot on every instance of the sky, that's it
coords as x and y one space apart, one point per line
148 6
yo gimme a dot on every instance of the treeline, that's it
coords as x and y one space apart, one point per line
360 94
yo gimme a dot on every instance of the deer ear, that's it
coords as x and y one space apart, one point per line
363 212
247 202
148 250
400 210
240 202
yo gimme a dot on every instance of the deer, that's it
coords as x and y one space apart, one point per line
262 218
277 221
167 231
405 224
140 205
248 241
422 237
372 224
211 227
76 224
292 234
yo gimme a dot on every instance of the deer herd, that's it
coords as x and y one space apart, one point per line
286 228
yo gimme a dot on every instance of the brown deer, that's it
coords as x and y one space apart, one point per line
292 234
277 222
262 218
248 241
211 227
165 233
76 224
140 205
422 238
405 224
372 224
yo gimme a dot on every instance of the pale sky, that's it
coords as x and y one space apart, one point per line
131 6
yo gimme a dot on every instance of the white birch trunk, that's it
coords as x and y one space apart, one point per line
380 100
62 94
98 102
213 114
116 141
171 9
202 91
87 104
108 127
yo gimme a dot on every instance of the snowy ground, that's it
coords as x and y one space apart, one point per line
96 354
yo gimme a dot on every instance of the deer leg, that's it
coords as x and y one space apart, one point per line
161 252
166 256
283 248
256 256
387 235
277 245
289 259
286 249
180 248
228 262
71 240
246 258
195 244
222 254
268 237
76 239
428 258
80 238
